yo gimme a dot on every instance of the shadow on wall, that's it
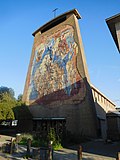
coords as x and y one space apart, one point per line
100 110
113 121
71 94
101 121
78 108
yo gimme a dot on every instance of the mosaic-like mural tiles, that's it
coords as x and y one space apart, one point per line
54 75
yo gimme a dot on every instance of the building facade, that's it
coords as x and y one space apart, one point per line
58 91
114 27
104 107
57 87
113 118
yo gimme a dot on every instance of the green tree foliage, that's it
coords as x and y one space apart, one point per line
7 99
6 90
7 102
10 108
21 111
54 138
19 99
51 135
6 112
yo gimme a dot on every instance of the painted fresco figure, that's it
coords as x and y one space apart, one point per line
62 64
58 52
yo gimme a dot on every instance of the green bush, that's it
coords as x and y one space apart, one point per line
24 138
55 139
57 145
51 135
27 136
42 142
39 143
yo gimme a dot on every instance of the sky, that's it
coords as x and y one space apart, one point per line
20 18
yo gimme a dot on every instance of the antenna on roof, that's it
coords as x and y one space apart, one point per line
55 12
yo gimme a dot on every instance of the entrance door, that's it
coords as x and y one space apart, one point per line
42 126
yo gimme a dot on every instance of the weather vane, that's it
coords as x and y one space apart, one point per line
55 12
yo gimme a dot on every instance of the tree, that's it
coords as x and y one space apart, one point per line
19 98
21 111
8 91
7 99
6 112
11 108
7 102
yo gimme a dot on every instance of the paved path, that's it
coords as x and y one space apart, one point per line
68 154
93 150
64 154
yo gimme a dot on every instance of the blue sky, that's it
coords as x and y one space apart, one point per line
19 19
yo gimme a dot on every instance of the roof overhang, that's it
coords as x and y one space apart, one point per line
111 25
113 114
74 11
94 88
49 118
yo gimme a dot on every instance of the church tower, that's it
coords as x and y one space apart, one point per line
57 88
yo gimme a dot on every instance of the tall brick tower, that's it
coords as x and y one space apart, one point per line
57 87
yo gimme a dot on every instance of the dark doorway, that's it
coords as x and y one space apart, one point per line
43 125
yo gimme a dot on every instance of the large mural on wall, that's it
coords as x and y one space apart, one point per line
54 75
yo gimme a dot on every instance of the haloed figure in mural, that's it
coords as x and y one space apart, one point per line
54 74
